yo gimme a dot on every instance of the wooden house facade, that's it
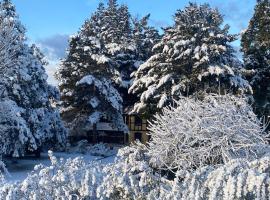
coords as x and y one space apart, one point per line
137 128
105 131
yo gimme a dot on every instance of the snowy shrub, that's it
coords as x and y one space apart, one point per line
99 149
238 179
212 131
80 147
130 177
70 179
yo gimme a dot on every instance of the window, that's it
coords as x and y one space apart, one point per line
138 121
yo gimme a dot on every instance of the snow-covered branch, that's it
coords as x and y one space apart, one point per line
212 131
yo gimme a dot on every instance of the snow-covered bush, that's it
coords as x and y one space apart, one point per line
130 177
102 149
70 179
196 133
239 179
99 149
80 147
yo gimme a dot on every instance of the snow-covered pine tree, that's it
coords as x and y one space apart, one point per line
126 45
87 75
9 35
110 28
118 43
193 55
145 37
256 49
30 119
105 52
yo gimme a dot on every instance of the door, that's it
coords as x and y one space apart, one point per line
138 136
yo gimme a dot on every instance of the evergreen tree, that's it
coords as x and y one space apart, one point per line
27 100
145 37
111 24
86 76
92 26
256 49
194 55
105 52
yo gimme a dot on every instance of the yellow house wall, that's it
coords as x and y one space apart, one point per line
134 129
145 137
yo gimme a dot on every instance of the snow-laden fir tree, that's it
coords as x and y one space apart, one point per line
256 49
106 52
193 55
116 35
28 117
144 36
87 74
128 42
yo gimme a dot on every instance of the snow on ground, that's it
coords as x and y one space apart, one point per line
20 168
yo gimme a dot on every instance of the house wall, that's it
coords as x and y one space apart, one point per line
137 128
145 137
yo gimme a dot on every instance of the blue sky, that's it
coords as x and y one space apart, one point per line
50 22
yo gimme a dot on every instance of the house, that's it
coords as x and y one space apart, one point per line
106 132
137 128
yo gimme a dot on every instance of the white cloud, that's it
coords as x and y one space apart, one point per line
54 48
236 13
51 69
